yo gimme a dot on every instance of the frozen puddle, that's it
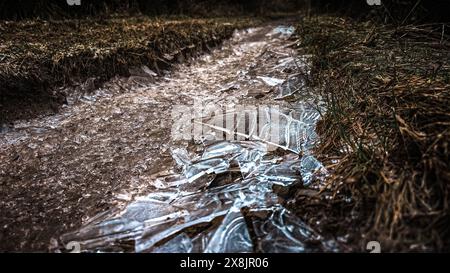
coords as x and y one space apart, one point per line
222 199
208 192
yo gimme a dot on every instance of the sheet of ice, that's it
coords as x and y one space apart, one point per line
188 206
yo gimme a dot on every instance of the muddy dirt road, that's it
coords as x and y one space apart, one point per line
106 150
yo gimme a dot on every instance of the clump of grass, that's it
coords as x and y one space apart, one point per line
386 134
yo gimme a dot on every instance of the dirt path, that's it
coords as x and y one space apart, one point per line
103 150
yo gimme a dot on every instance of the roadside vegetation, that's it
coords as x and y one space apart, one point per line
385 136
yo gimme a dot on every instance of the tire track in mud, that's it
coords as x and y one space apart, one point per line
106 149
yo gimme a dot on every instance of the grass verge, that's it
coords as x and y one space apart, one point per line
385 136
37 56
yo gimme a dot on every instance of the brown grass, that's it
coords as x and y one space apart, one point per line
37 56
386 134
